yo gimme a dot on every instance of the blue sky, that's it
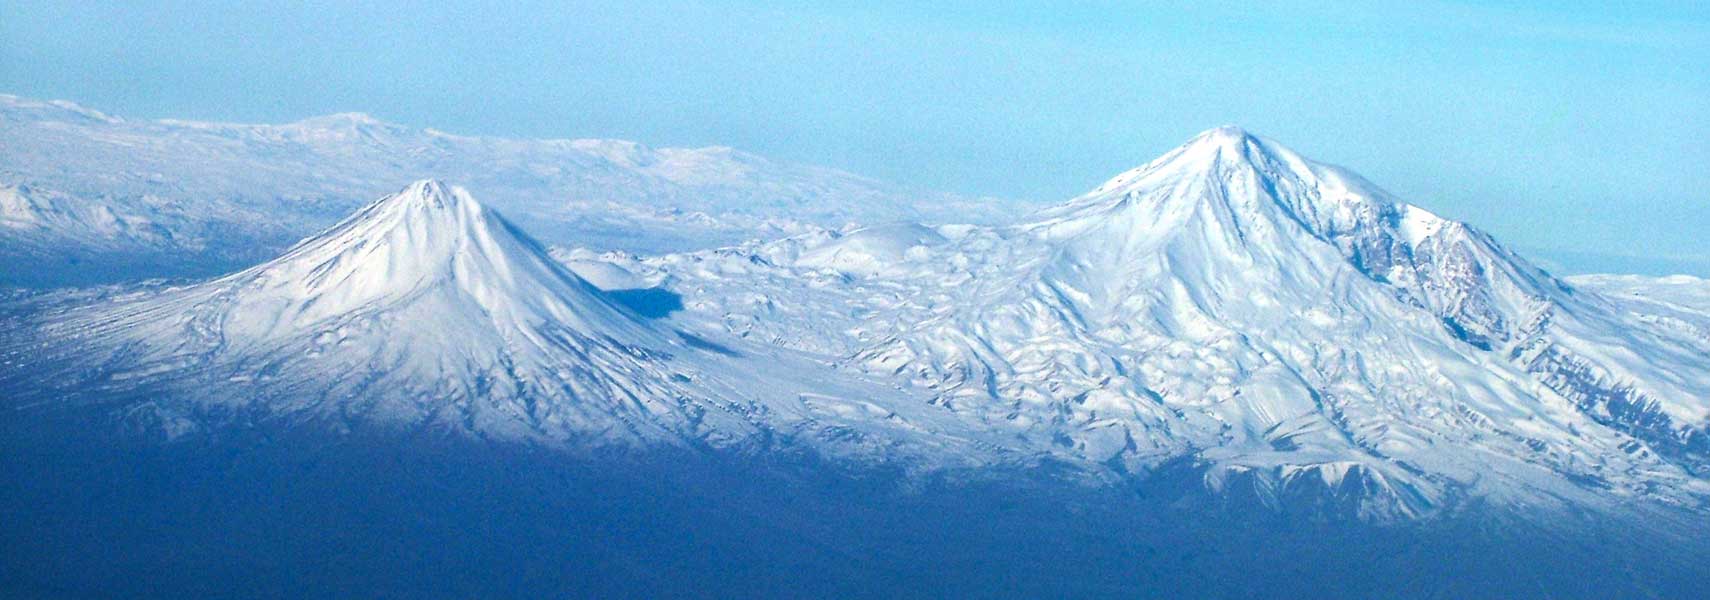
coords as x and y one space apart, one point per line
1574 131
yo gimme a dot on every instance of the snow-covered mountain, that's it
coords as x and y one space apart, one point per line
116 199
1231 315
1285 325
427 311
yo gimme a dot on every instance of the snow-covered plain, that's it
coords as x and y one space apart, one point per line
1281 327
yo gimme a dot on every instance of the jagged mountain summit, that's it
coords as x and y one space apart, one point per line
427 310
1286 327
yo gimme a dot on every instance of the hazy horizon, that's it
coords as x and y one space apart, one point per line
1571 133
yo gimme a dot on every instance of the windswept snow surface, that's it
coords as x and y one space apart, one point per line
90 197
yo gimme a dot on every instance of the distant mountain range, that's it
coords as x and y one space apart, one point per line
90 198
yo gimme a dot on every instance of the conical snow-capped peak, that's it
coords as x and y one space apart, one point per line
423 307
426 231
426 210
1199 154
432 192
428 206
427 243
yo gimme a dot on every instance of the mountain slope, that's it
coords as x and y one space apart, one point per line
1280 327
